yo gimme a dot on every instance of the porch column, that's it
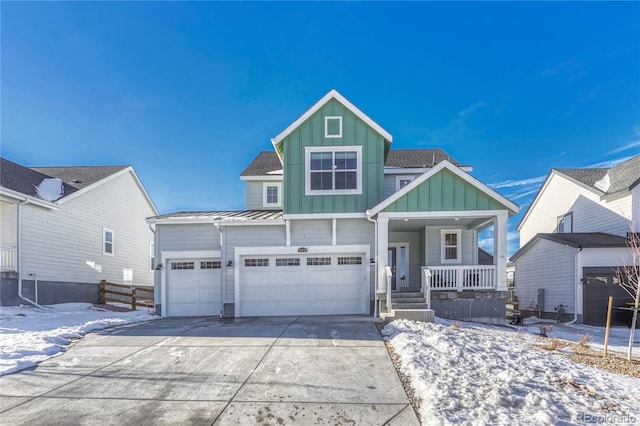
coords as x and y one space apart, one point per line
500 250
383 247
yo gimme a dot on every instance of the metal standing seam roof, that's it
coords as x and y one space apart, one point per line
223 216
268 162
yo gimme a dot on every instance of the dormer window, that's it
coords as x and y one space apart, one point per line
333 127
333 170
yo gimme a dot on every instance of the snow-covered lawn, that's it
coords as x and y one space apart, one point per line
480 374
31 335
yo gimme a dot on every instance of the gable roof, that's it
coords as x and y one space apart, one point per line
445 164
622 176
79 177
268 162
577 240
417 158
333 94
75 179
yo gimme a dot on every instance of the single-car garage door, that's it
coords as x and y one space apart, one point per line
322 284
599 284
193 287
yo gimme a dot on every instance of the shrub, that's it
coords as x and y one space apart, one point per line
545 329
585 340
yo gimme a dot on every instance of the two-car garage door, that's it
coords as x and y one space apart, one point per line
302 284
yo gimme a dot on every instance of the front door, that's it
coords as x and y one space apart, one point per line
391 261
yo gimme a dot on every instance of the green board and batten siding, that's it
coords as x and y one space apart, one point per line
444 191
311 133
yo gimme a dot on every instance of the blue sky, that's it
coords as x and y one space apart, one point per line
190 93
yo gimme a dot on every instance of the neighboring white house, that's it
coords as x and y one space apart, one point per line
329 209
68 228
572 240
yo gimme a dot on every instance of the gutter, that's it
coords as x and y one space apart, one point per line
19 265
223 268
375 270
575 298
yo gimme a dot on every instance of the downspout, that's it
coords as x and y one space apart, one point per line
577 275
19 262
223 268
375 269
156 261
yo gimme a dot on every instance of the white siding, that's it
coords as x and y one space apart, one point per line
390 183
8 224
635 207
255 195
63 245
197 236
590 213
311 232
355 231
550 266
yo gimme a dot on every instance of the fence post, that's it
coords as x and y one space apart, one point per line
103 291
133 297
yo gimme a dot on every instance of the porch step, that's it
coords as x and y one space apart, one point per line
400 306
395 300
424 315
407 294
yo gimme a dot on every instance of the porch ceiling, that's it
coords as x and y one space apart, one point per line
405 225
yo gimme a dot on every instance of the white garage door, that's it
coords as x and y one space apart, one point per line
193 287
322 284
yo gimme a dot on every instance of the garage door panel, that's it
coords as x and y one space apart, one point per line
315 285
194 287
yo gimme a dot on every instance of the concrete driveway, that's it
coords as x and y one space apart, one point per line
279 370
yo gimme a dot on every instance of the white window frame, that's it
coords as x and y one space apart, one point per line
265 201
326 126
562 220
458 232
104 242
399 179
307 170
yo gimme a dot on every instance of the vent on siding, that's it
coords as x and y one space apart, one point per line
333 127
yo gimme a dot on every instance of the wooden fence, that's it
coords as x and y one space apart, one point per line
128 294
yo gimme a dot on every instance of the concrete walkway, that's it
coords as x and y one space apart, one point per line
280 370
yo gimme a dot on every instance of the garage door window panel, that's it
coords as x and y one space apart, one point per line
176 266
211 265
288 261
318 261
350 260
256 263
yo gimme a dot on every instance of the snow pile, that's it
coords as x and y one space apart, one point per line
29 335
50 189
487 375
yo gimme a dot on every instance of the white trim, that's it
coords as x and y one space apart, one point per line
166 256
326 126
389 170
152 255
248 222
104 242
303 216
334 227
458 246
124 171
308 150
287 232
23 197
333 94
280 250
275 178
401 178
442 214
444 164
265 186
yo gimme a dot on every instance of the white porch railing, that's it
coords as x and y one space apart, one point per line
8 257
463 277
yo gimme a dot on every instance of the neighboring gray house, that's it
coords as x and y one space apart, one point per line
573 238
328 210
67 228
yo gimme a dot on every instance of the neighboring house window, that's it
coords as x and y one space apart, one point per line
333 170
127 275
565 223
450 246
152 254
333 127
271 194
108 241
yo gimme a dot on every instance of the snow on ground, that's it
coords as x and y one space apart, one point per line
481 374
30 335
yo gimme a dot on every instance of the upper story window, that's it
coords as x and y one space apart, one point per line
402 181
333 127
565 223
333 170
450 248
108 241
271 194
